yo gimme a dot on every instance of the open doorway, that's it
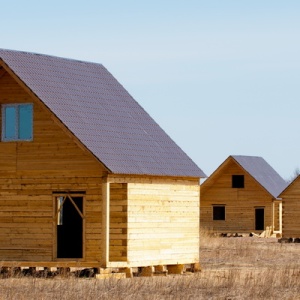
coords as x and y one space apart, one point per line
69 231
259 218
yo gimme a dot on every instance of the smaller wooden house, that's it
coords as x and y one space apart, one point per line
241 196
291 209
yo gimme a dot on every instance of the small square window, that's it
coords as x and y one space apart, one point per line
237 181
219 212
17 122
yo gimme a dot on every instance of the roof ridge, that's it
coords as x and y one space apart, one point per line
257 156
50 56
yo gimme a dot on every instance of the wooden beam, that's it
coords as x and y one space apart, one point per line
175 269
74 204
280 217
105 221
273 216
127 271
147 271
63 263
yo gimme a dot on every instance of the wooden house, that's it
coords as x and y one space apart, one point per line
291 209
87 177
241 197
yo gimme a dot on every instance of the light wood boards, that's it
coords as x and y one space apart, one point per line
291 210
29 174
163 221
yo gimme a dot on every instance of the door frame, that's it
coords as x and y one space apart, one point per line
55 195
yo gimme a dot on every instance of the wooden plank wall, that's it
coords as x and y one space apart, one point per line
240 202
276 216
291 210
30 172
118 222
163 221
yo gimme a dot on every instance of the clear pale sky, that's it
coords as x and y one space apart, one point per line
220 77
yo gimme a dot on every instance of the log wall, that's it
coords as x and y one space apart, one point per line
163 221
29 174
291 210
118 222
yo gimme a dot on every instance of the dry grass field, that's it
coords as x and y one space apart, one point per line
233 268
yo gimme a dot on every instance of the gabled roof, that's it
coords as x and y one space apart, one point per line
259 169
97 109
289 185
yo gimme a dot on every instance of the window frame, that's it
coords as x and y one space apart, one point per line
17 125
213 212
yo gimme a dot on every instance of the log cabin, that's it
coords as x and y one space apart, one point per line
87 177
291 209
241 196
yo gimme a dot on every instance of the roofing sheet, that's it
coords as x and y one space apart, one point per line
98 110
264 174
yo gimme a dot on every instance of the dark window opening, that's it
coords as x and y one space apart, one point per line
219 213
237 181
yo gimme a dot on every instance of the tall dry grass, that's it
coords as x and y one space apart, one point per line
233 268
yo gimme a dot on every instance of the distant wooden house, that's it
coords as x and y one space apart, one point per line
241 196
291 209
87 178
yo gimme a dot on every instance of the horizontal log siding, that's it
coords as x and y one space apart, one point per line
276 216
291 210
163 222
30 172
118 222
239 203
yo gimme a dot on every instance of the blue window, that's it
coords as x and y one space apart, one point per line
17 122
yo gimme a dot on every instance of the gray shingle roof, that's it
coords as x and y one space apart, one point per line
262 172
97 109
